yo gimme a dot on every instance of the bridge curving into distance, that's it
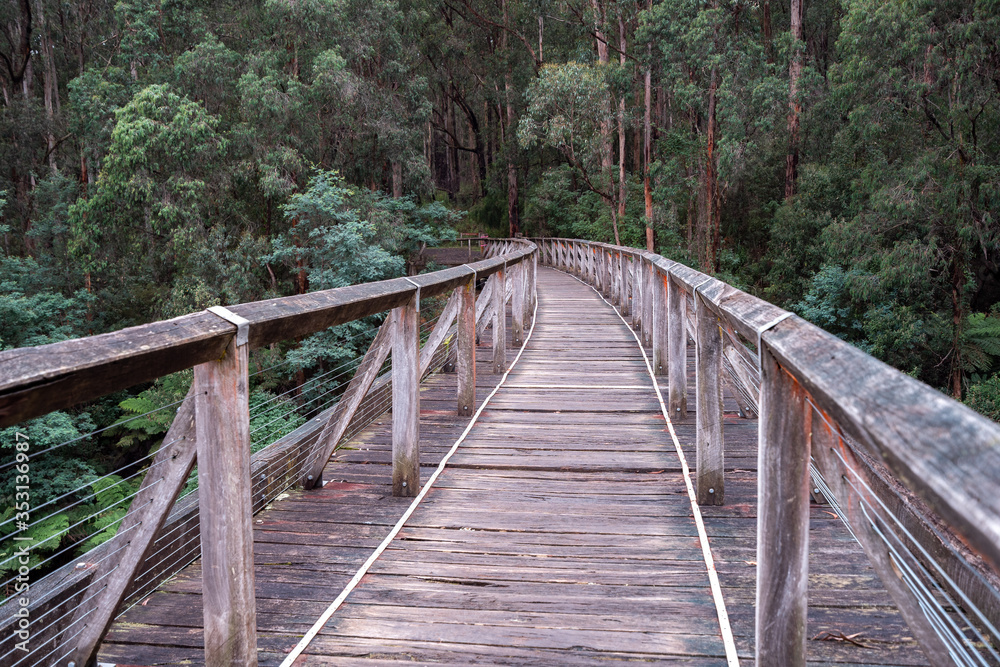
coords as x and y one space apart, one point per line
588 455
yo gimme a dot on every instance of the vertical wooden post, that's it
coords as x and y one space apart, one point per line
222 432
677 355
466 361
650 274
709 445
500 321
517 303
406 400
661 325
638 283
591 274
782 518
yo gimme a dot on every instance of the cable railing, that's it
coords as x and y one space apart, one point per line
912 473
159 519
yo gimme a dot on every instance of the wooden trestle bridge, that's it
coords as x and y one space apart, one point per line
598 456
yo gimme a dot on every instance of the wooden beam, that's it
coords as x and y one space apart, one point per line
222 427
349 402
499 322
709 443
677 349
649 294
406 400
134 539
517 304
466 362
782 518
661 326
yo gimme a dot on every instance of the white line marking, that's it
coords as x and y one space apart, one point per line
732 659
363 570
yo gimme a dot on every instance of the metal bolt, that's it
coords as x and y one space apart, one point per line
70 664
711 490
466 407
310 478
404 483
815 490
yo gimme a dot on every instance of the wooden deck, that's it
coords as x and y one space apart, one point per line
560 533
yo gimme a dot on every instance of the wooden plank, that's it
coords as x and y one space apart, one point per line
518 282
466 363
134 539
648 292
222 427
677 349
708 392
499 322
350 401
782 519
406 400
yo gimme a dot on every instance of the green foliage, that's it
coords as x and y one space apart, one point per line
145 413
271 418
983 396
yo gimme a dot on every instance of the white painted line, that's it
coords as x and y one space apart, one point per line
732 658
576 386
363 570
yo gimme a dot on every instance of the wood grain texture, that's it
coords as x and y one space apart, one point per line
406 400
782 519
466 362
499 307
222 427
440 332
708 392
517 304
677 338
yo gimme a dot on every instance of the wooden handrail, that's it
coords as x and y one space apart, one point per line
38 380
212 427
905 444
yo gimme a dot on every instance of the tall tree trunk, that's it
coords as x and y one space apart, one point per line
765 21
794 107
958 319
622 183
513 221
647 143
602 57
712 219
397 179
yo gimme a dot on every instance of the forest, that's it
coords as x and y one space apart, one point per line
840 158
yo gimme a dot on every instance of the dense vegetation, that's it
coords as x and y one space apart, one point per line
839 157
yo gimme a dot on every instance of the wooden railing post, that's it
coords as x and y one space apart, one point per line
500 321
661 324
708 394
406 399
649 275
222 428
677 345
782 518
466 362
518 281
638 285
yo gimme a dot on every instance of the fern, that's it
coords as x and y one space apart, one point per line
980 342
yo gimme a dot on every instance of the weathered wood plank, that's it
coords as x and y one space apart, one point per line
222 427
499 307
406 400
783 519
677 349
708 390
466 362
